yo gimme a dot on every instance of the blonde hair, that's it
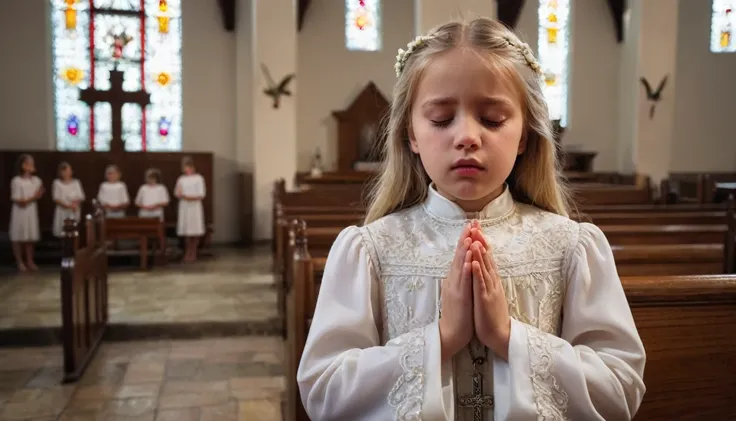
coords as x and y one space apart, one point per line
154 173
62 166
187 161
536 177
112 168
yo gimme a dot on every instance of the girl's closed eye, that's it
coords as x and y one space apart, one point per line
493 123
441 122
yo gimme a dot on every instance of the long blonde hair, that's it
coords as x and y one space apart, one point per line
536 177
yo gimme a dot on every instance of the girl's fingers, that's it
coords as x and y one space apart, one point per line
467 275
477 235
460 253
478 281
490 276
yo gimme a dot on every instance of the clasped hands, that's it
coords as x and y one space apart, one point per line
473 299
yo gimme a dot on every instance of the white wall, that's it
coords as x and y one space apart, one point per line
330 76
705 127
25 85
208 72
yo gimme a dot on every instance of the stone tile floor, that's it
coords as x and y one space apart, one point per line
237 379
234 286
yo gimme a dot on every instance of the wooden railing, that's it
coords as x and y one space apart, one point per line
84 292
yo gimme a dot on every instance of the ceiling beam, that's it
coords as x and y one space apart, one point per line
227 10
301 12
509 11
618 8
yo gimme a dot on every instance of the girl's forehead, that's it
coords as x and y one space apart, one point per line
465 74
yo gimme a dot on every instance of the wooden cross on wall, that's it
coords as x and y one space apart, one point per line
116 97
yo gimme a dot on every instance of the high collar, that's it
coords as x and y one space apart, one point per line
443 208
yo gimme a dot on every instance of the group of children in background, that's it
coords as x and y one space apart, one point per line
67 192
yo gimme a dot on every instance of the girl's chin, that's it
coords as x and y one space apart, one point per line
469 192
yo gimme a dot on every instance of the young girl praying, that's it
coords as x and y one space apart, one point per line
113 194
190 190
448 303
25 190
68 195
152 197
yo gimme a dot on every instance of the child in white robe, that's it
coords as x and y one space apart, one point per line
190 190
447 304
24 231
152 197
68 195
113 193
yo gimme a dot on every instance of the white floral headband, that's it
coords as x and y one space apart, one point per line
419 41
402 56
527 53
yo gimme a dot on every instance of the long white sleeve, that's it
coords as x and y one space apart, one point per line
125 199
594 370
57 192
16 189
346 372
80 190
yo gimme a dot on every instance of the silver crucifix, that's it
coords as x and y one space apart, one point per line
478 401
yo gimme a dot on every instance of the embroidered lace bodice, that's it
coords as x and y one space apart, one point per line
382 316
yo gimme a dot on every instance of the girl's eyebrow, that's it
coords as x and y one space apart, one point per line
501 101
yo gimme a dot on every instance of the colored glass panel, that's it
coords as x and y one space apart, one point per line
363 25
141 38
723 22
554 51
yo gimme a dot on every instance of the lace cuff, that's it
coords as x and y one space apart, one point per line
549 397
406 397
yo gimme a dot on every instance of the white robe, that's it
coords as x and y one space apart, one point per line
67 193
150 195
373 350
190 216
113 194
24 219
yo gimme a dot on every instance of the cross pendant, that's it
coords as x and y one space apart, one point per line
478 401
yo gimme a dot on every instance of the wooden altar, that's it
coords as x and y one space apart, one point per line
360 130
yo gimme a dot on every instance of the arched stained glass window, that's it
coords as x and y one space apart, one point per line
554 50
140 38
722 24
363 25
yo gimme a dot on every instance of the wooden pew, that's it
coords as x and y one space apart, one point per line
84 292
695 187
687 324
601 194
142 230
664 234
671 259
653 218
301 302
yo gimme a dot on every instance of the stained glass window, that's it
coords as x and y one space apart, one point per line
142 39
721 27
363 25
554 35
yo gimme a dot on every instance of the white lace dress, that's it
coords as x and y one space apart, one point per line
24 219
113 194
66 192
190 214
152 195
373 351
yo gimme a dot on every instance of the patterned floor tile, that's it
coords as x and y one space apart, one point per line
207 388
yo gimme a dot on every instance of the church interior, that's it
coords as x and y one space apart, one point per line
279 106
